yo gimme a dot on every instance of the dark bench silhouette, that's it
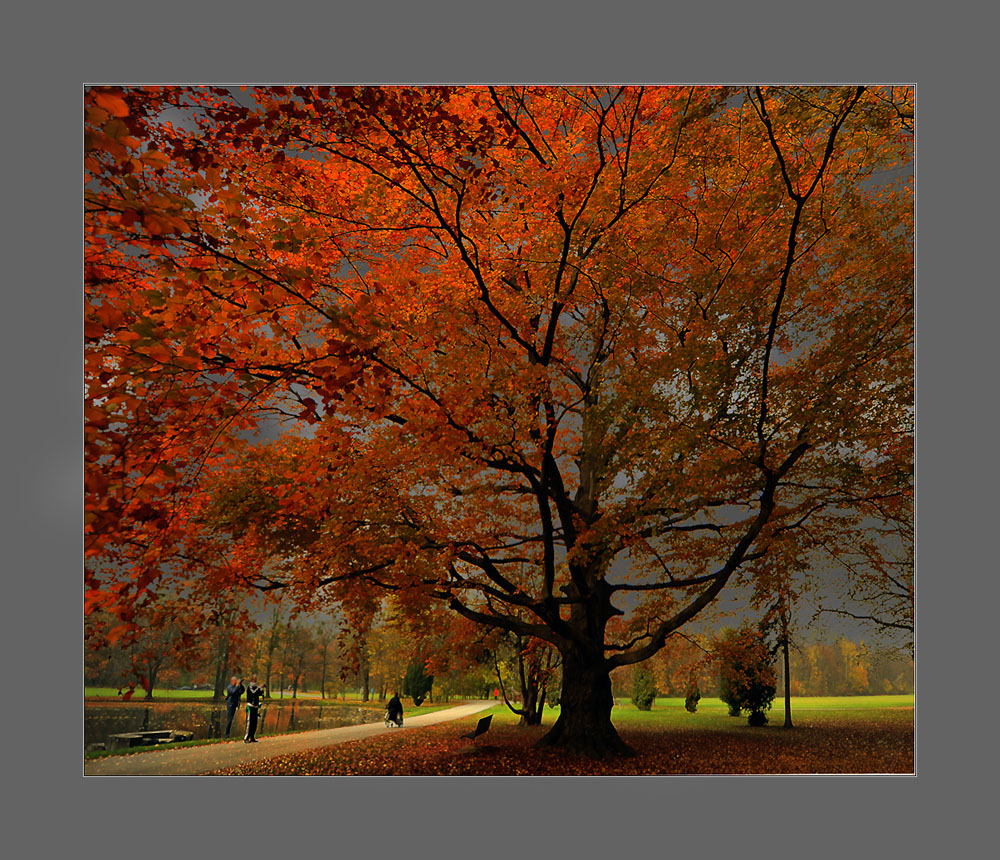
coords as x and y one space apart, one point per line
147 738
481 728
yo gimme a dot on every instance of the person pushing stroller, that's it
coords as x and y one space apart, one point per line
394 712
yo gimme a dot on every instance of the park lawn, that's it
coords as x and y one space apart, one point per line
139 694
167 693
667 740
805 703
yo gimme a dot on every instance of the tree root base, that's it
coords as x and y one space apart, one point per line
605 748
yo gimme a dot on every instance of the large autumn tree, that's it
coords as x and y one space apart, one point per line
538 355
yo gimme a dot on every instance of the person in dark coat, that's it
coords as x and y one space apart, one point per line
394 710
233 693
254 696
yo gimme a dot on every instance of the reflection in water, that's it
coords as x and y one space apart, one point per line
207 720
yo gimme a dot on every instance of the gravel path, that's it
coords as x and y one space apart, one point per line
192 761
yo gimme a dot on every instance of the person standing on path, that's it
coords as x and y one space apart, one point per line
254 696
233 693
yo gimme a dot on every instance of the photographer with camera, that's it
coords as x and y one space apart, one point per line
254 696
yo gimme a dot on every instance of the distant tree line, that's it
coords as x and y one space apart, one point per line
841 667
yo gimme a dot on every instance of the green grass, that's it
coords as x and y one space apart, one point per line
713 714
804 703
167 693
670 713
139 694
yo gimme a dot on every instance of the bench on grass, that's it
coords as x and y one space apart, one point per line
481 728
147 738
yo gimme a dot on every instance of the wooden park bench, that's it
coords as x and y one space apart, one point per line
146 738
481 728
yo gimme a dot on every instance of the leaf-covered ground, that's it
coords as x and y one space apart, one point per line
879 741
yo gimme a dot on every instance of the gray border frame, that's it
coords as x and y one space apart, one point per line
58 49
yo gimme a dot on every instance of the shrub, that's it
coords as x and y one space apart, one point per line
746 676
643 688
417 683
692 696
727 695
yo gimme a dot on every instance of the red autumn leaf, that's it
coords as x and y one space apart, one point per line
113 104
155 159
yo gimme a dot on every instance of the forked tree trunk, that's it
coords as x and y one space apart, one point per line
584 724
533 694
529 710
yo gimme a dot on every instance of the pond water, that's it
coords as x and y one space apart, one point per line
208 720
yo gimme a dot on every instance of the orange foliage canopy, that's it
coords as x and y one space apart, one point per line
501 339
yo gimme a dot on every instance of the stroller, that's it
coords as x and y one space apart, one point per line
393 723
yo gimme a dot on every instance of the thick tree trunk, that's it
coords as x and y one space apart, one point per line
584 724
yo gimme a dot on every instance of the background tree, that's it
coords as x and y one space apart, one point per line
161 645
390 650
106 663
324 637
783 615
298 648
512 337
683 658
461 659
533 665
170 634
274 631
228 627
777 623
